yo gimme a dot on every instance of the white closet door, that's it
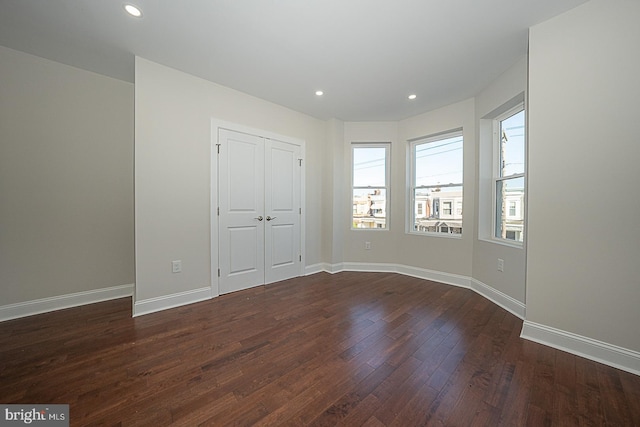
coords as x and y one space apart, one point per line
282 210
241 204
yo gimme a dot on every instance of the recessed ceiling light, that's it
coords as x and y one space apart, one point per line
133 10
412 96
319 93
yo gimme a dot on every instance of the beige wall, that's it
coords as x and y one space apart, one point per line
506 90
395 245
583 269
173 164
382 241
66 179
336 201
449 255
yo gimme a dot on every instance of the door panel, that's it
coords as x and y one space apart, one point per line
283 245
282 172
242 249
243 173
241 203
282 204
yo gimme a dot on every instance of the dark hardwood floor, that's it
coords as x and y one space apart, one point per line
349 349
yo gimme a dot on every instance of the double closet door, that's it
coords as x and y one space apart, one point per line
259 193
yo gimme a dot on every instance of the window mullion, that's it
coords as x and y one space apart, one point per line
506 178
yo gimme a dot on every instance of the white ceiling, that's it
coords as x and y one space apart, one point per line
366 55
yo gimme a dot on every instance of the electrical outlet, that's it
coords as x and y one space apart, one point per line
176 266
500 264
367 245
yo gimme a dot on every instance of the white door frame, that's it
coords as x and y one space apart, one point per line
217 124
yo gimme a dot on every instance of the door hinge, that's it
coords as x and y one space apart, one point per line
218 272
218 211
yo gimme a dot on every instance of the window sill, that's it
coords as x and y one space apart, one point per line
501 242
444 235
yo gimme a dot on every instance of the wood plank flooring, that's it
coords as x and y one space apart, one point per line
350 349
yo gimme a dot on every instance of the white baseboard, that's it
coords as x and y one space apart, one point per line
165 302
333 268
45 305
371 267
435 276
602 352
421 273
316 268
510 304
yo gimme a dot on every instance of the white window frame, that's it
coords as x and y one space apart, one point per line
451 205
497 178
411 177
386 187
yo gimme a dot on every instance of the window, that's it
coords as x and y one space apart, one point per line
436 184
446 208
509 175
370 179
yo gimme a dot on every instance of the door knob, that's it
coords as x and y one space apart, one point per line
269 218
259 218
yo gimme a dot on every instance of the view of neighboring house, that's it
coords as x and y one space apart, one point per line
438 211
369 209
513 214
